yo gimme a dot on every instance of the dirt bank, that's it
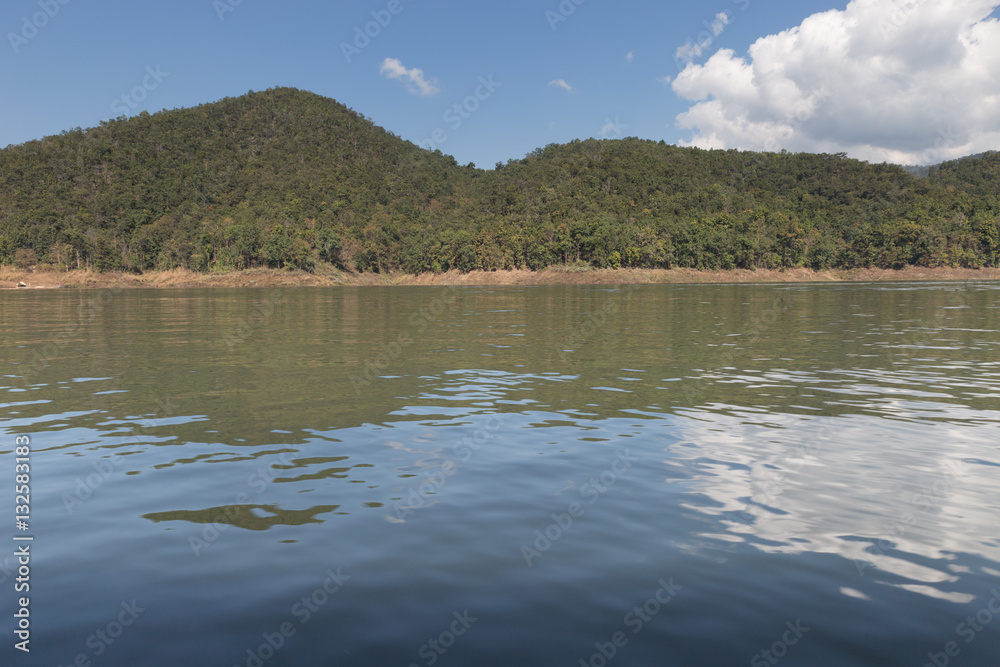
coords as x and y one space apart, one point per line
9 277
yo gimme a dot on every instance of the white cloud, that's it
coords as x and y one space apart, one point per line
914 82
561 83
414 78
693 49
630 57
719 24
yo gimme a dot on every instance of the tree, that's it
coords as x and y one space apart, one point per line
287 178
25 258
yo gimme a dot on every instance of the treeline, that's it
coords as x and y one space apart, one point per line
285 178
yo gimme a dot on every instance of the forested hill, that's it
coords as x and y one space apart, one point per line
977 176
285 178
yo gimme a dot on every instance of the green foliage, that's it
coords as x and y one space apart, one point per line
288 179
25 258
7 250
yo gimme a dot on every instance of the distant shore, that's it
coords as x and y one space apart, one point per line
179 278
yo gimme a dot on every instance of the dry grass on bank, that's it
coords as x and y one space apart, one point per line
177 278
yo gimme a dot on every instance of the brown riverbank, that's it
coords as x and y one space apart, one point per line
9 277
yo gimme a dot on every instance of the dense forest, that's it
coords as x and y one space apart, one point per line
286 178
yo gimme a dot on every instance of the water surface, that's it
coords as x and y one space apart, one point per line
510 476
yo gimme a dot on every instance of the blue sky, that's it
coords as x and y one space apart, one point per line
71 66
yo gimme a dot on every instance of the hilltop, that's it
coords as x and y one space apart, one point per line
285 178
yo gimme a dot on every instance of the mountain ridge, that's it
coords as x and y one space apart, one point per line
285 177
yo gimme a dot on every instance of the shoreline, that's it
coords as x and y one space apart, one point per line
181 278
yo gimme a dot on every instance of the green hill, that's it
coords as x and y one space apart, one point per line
288 178
977 176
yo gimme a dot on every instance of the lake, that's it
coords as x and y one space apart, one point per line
660 475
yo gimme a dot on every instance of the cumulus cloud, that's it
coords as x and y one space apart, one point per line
911 82
561 83
414 78
630 57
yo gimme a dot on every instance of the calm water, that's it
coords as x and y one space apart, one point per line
516 476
